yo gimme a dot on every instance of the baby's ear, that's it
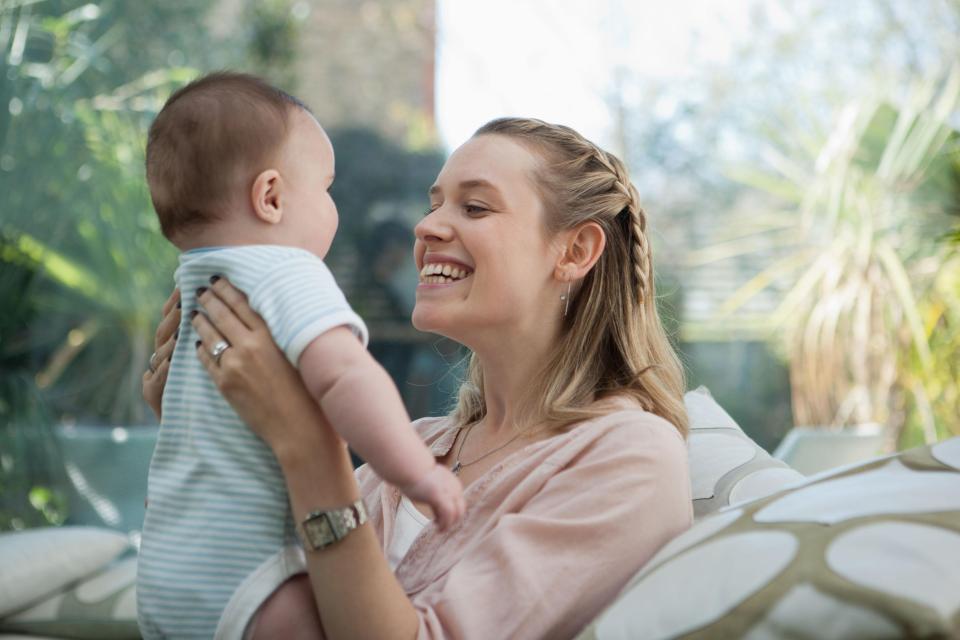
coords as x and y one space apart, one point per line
265 196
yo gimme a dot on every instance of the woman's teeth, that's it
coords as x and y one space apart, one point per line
439 273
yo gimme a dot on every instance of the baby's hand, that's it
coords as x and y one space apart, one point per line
442 491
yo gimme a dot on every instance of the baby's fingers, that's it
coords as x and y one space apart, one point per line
442 516
449 512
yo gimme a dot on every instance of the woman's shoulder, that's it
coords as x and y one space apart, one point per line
627 432
633 450
625 419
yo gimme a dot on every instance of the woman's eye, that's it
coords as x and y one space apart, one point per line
430 210
474 209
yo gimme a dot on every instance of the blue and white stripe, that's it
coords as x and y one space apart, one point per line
217 502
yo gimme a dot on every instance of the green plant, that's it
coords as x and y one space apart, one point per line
75 203
26 497
869 314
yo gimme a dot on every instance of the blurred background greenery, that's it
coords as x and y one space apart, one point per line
805 197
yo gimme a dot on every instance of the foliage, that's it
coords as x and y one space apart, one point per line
20 407
273 39
870 315
83 268
82 82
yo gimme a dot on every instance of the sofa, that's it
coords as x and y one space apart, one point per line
870 550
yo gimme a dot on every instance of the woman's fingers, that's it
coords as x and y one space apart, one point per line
170 323
153 383
209 335
222 318
236 301
212 367
165 351
171 301
165 341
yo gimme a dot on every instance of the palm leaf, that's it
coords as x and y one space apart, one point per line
856 251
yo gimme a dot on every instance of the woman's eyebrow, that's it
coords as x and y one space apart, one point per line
467 184
478 184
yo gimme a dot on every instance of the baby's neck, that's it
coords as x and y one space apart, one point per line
222 234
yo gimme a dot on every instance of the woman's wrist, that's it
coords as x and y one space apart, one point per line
317 470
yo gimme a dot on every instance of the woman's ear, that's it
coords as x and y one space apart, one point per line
583 246
265 196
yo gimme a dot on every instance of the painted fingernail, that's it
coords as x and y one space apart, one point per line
193 314
201 291
214 279
176 334
179 305
198 343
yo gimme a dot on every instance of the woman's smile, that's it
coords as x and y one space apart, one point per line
441 271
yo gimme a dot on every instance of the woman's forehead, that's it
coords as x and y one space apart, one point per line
496 159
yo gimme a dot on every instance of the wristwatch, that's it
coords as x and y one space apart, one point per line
320 529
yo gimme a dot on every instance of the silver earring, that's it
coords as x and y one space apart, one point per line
566 301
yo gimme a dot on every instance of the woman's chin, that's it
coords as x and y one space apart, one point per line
421 319
432 321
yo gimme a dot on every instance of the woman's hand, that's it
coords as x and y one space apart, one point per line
252 373
155 377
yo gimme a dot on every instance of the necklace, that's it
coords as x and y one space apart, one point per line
457 466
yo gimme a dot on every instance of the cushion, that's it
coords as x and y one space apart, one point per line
101 607
870 551
726 466
39 562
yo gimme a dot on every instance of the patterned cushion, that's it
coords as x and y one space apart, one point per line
870 551
726 466
102 607
38 562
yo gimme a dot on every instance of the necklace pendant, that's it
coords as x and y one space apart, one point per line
456 468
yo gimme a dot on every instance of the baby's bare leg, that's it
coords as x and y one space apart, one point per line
289 613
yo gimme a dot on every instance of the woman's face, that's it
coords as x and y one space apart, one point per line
483 251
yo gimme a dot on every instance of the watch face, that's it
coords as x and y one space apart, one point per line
319 532
322 528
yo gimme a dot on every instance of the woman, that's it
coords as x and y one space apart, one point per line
568 435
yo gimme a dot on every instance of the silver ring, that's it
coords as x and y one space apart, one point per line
217 352
152 367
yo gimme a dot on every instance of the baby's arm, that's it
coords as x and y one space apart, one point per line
363 405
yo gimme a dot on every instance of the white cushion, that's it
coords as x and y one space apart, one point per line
726 465
871 551
39 562
102 606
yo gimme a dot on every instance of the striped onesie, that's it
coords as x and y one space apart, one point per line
218 536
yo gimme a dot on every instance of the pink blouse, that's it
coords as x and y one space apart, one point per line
551 534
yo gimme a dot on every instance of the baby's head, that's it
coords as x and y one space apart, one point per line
232 160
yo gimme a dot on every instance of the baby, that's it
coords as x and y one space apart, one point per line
239 173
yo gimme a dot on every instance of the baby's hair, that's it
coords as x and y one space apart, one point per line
211 137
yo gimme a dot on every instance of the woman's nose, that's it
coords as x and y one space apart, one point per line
433 227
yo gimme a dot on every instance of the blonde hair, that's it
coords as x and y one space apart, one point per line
613 343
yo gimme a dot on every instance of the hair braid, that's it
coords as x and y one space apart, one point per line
640 251
639 246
